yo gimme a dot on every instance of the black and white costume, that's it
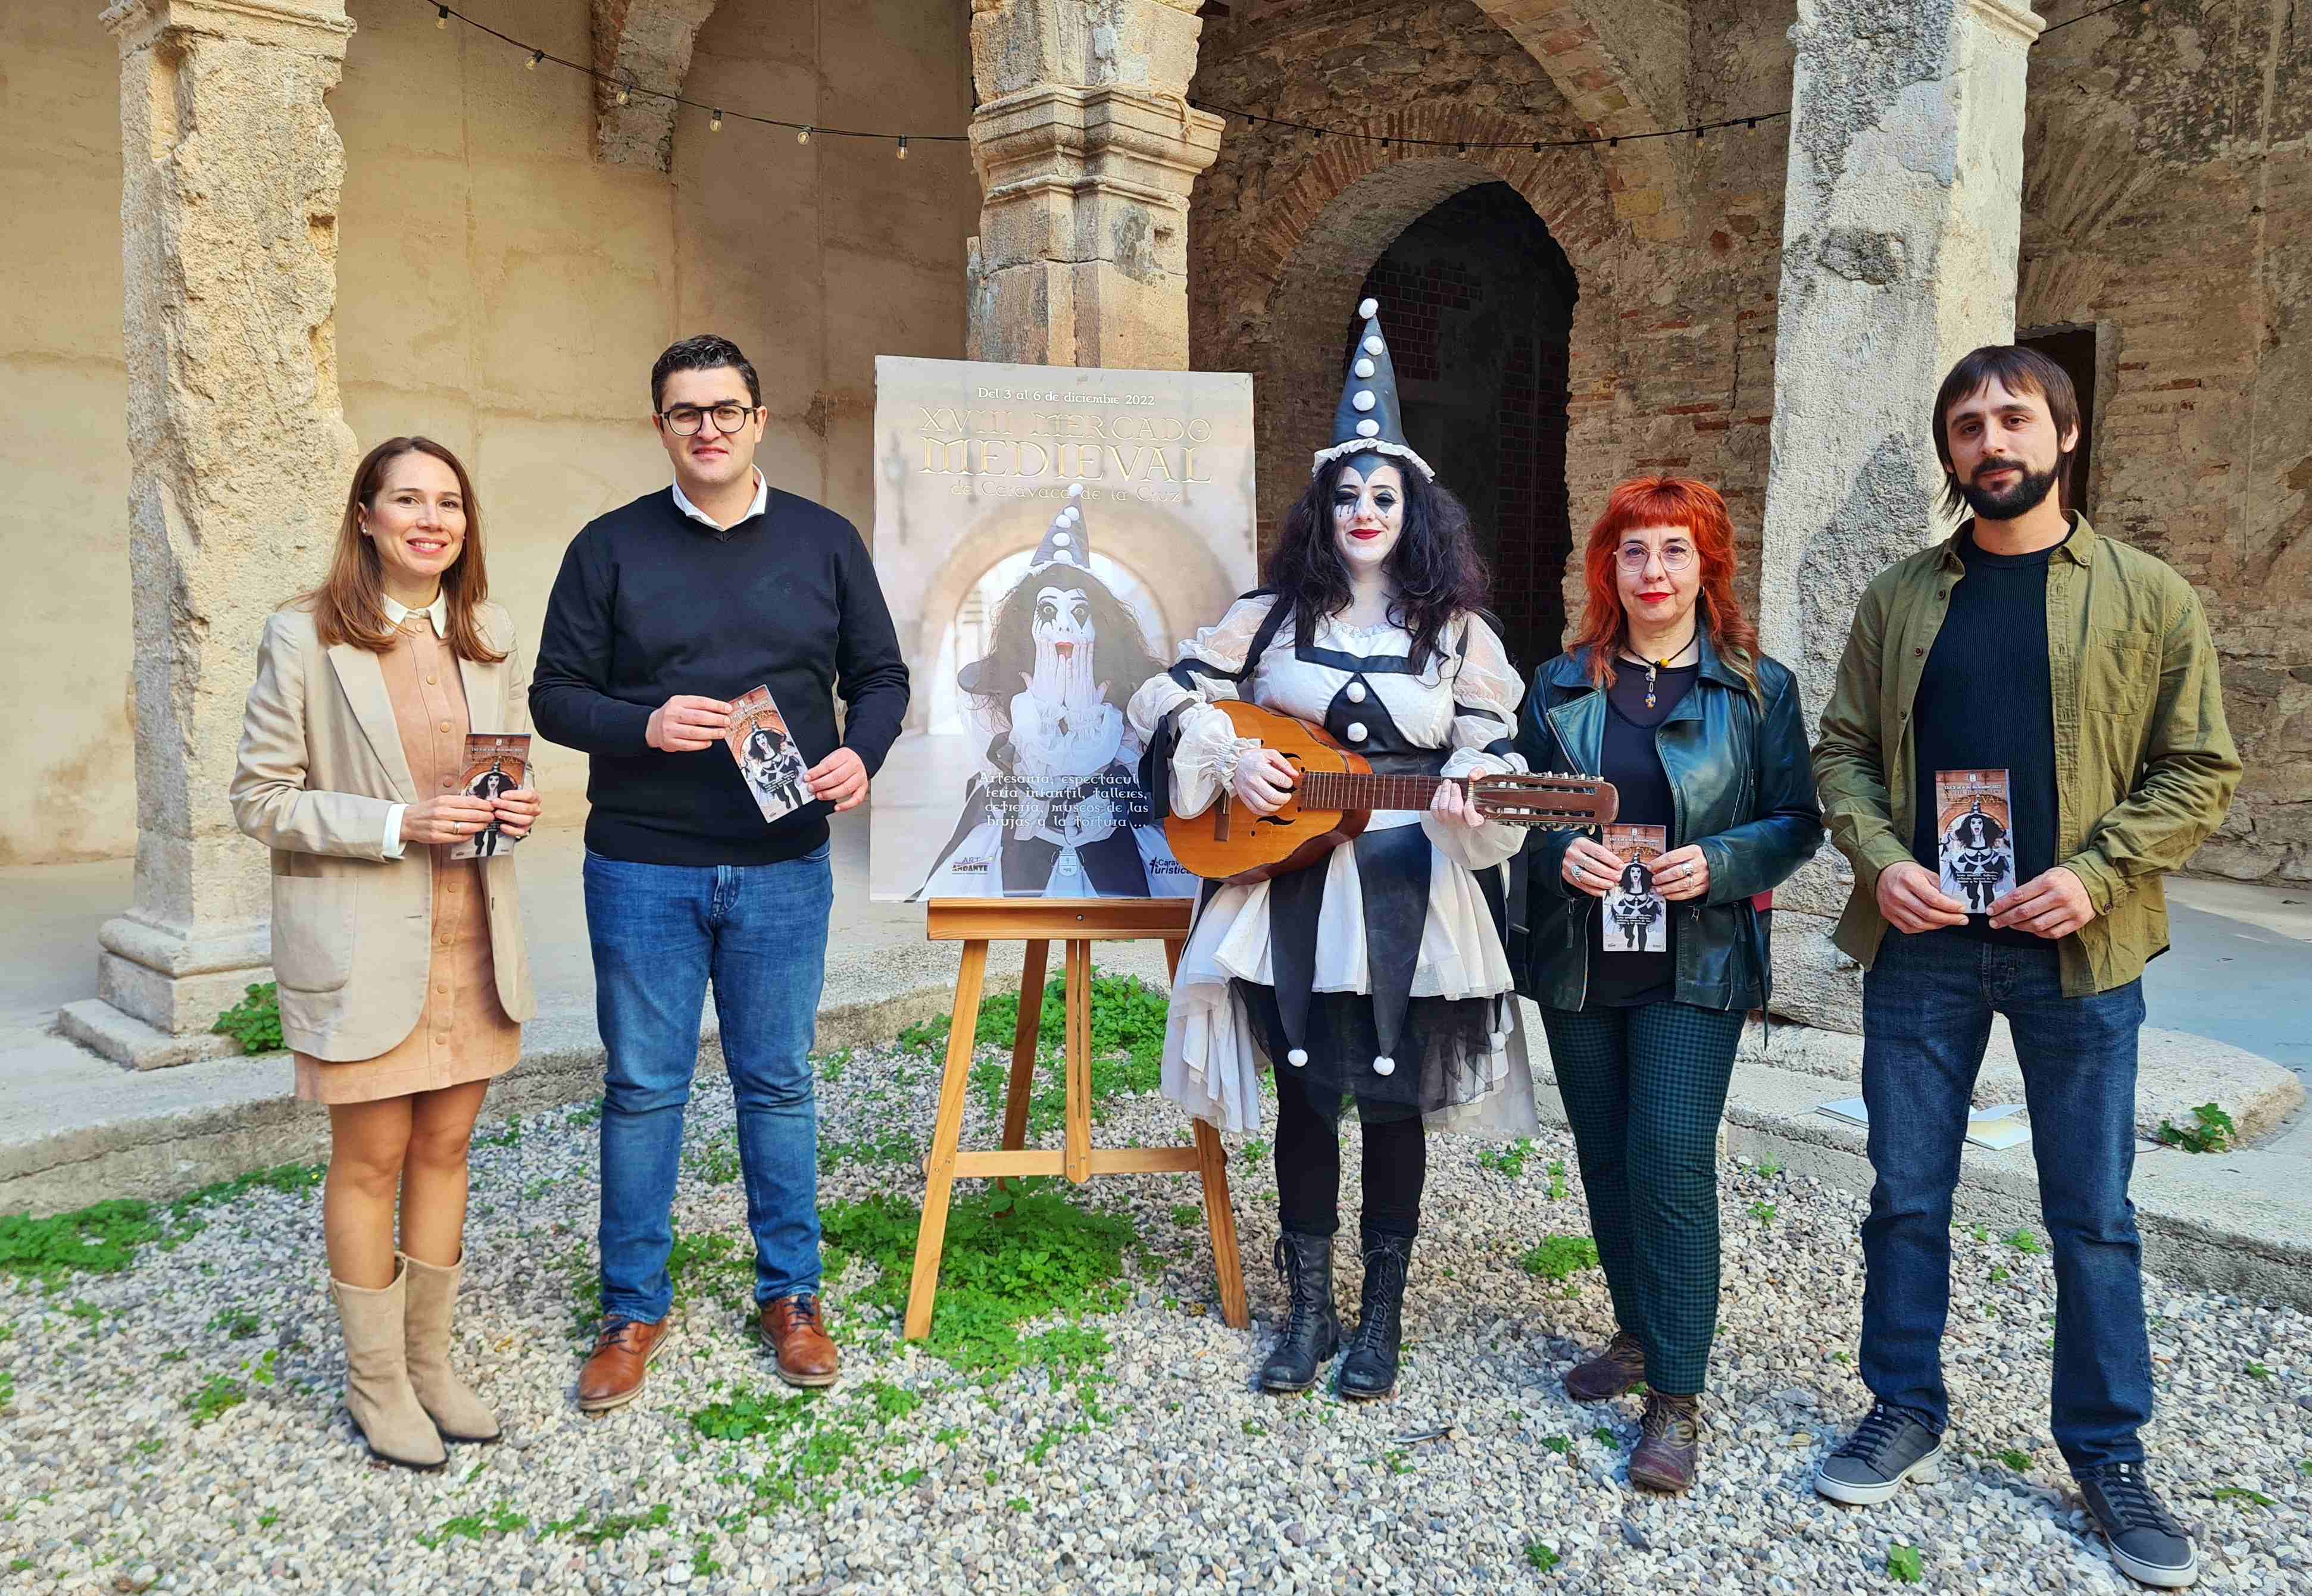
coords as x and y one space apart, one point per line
1379 973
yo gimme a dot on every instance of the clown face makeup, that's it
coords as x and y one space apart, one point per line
1368 513
1064 625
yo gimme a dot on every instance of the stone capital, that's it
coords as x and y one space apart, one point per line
1057 135
2006 16
315 27
1145 44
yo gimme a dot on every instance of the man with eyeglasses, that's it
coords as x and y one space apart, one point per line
665 611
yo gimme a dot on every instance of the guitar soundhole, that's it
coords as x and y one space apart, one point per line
1274 820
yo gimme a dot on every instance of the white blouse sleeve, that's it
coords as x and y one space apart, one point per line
1486 692
1205 748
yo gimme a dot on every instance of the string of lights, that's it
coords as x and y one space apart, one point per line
626 89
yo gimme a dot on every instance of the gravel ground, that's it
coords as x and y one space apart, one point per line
1176 1474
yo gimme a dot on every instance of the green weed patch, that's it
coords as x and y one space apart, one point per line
1127 1046
254 1022
1010 1259
2212 1131
1560 1257
1507 1161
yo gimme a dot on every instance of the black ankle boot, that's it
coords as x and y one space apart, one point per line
1369 1373
1313 1333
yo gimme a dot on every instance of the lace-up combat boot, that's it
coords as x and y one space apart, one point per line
1312 1334
1369 1373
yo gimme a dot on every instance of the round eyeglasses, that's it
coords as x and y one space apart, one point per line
1635 556
684 421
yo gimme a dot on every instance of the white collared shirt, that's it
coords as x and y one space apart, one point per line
396 613
437 612
762 498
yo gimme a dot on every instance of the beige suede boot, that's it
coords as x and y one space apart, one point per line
378 1393
457 1412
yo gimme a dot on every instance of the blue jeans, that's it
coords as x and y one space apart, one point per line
1927 1005
659 933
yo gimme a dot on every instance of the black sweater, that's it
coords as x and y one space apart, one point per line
1986 701
651 604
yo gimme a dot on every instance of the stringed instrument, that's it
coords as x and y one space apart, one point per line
1336 795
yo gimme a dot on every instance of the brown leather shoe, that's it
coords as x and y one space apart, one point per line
1670 1450
623 1350
797 1333
1621 1367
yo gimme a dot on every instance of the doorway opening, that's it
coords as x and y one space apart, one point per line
2073 348
1477 302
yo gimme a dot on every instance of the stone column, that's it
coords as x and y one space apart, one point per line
242 456
1902 221
1086 150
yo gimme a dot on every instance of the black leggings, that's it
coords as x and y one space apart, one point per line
1309 1167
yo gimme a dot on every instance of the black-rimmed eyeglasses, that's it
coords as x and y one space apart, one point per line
684 421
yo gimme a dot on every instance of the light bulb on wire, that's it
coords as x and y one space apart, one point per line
802 136
715 123
535 58
902 147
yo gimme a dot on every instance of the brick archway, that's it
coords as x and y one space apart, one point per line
1300 269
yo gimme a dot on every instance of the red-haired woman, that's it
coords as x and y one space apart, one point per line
401 971
1643 992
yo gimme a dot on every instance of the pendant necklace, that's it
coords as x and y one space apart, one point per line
1654 667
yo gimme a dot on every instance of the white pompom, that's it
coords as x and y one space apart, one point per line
1363 399
1373 345
1297 1057
1368 428
1075 489
1384 1065
1364 367
1059 540
1368 309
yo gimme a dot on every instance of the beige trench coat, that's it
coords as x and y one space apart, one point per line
322 764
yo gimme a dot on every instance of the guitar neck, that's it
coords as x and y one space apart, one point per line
1338 790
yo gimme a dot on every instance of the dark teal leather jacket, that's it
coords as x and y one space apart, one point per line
1743 790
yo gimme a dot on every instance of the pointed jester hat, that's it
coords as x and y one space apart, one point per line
1368 420
1065 541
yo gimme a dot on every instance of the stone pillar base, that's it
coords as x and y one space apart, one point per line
159 991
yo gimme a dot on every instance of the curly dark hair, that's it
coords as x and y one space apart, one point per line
1435 564
1121 656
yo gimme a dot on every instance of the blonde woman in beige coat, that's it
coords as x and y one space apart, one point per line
402 976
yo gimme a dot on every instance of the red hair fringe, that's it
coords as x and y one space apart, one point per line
1696 508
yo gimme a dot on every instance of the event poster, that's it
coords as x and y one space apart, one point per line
1046 537
756 735
495 762
1637 916
1975 836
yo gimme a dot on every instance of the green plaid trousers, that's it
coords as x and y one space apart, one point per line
1644 1088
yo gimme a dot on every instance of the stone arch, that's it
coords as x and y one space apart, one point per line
1321 233
648 43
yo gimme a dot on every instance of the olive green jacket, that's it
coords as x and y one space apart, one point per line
2144 763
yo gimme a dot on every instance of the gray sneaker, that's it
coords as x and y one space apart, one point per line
1888 1447
2146 1541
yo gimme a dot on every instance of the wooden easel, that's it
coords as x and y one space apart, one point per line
976 922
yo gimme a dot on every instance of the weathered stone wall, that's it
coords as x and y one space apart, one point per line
2168 194
1673 338
2168 204
65 635
498 287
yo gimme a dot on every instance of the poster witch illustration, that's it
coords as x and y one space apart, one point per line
1057 809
